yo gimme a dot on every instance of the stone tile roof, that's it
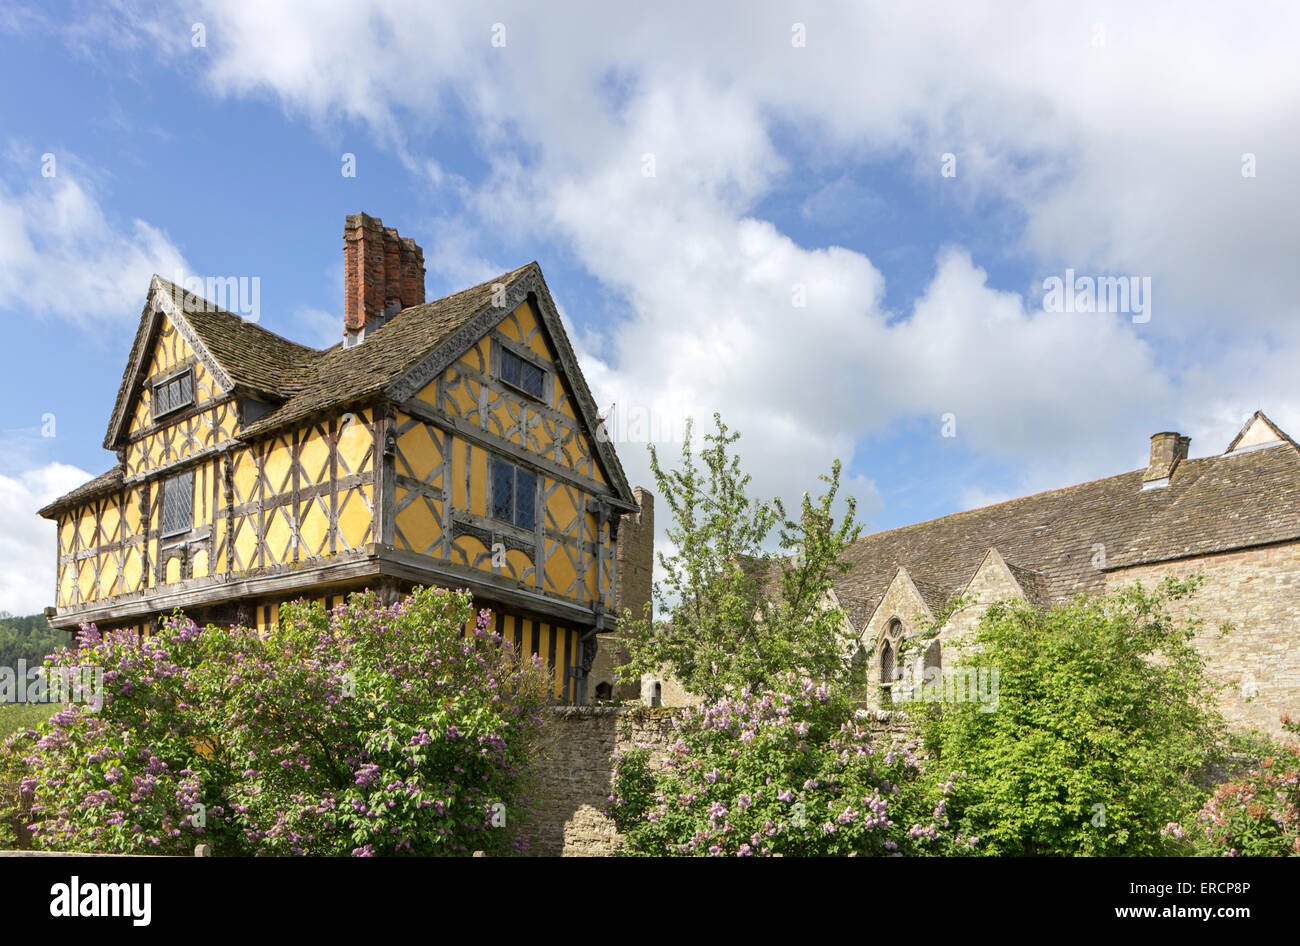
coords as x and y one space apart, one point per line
934 595
857 610
340 375
251 356
1061 542
104 483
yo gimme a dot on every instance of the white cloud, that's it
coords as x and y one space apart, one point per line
61 254
1121 155
27 542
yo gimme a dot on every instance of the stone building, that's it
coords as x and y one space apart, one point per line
1233 518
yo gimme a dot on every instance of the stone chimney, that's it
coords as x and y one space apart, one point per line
634 573
634 555
383 273
1167 450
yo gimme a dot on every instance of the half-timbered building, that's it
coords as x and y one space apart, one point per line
452 443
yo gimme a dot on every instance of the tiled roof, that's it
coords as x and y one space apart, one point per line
934 595
253 357
104 483
1061 542
857 610
340 375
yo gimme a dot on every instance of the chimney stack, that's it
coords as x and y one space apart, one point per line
383 274
1167 450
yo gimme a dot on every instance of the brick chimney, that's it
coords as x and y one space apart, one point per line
383 273
1167 450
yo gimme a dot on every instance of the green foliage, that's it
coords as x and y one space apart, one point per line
1258 815
14 809
16 717
792 772
738 614
371 730
1101 734
28 638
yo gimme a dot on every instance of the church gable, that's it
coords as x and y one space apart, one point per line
994 580
1258 431
902 604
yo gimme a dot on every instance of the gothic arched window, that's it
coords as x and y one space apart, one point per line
886 662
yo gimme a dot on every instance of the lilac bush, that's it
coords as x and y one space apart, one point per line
370 730
1256 815
791 772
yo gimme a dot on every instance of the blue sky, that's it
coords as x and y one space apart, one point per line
1095 138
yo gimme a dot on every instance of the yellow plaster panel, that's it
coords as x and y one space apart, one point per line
277 465
420 524
278 534
315 530
420 455
245 476
478 482
517 562
467 550
131 571
355 516
355 443
315 458
107 576
245 541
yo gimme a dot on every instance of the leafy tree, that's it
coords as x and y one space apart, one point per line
791 772
739 614
1101 733
368 730
29 638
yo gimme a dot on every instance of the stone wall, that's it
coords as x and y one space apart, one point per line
634 572
575 778
1258 661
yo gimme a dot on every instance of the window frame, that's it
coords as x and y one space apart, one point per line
494 463
169 486
187 391
504 352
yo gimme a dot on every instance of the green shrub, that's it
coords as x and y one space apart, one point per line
793 772
1255 816
370 730
1101 734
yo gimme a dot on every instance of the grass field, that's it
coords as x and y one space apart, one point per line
16 716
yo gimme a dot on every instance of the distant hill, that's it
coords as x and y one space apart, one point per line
28 638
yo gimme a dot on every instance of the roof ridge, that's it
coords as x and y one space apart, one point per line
1046 492
1004 502
210 307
